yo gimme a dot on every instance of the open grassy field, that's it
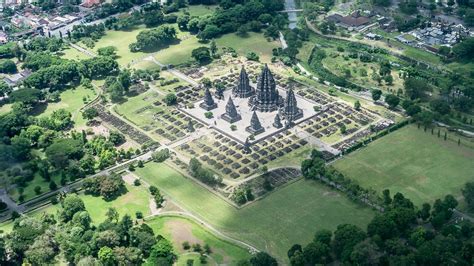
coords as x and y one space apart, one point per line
179 229
136 199
5 108
72 100
198 10
290 215
253 42
420 165
73 54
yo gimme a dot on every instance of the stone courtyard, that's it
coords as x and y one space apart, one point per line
238 133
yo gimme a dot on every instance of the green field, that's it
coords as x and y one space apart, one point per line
71 100
73 54
290 215
179 229
420 165
253 42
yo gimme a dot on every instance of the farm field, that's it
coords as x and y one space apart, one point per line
412 162
290 215
179 230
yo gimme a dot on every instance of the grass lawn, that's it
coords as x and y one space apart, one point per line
290 215
29 190
198 10
73 54
420 165
72 101
179 229
5 108
253 42
179 53
136 199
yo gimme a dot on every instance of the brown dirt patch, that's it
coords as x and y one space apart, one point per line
181 231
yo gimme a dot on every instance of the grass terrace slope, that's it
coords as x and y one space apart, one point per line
420 165
179 230
274 223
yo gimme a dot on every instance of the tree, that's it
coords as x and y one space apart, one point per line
346 237
162 251
8 66
376 94
263 259
116 138
154 38
27 96
71 204
62 150
161 155
357 105
44 250
107 51
213 48
465 49
106 256
416 88
170 99
392 100
468 193
316 253
202 55
90 113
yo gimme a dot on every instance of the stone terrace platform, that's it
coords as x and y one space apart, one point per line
241 104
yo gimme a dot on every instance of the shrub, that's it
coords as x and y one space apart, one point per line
136 182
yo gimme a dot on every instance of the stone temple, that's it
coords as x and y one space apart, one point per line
243 88
252 111
231 115
266 98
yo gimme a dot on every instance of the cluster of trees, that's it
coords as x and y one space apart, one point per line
107 9
154 39
203 174
72 236
236 16
150 15
401 235
109 187
242 195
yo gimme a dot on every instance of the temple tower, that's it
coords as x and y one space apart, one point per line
255 126
208 103
231 114
266 98
243 88
277 122
190 126
290 110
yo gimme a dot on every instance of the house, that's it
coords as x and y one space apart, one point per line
3 37
15 79
354 20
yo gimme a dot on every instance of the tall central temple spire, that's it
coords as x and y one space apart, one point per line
243 88
267 98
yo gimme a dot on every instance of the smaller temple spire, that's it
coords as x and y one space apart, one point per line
243 88
231 114
246 148
290 110
277 122
208 103
190 126
255 126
